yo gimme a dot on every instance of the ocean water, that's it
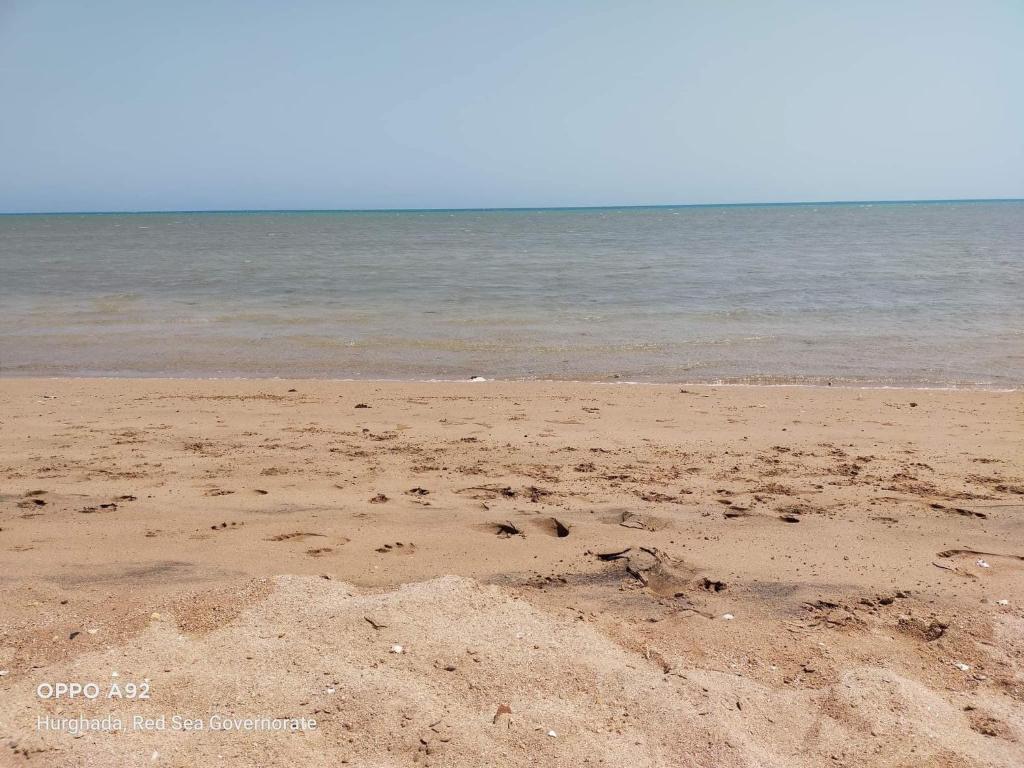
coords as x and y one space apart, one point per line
928 294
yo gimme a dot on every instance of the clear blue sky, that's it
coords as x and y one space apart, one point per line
213 104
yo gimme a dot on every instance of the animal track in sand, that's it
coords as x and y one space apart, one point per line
885 519
491 491
553 527
801 508
294 536
398 546
959 511
654 569
504 530
657 497
973 552
928 630
712 585
108 507
31 500
987 725
835 614
379 437
535 494
629 519
734 512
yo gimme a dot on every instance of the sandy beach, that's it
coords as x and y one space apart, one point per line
513 574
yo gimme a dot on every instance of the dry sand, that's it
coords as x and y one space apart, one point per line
256 548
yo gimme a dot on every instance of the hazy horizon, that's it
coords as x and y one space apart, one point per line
115 106
750 204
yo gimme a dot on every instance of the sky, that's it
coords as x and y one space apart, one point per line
212 104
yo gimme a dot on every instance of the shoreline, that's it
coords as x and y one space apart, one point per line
845 386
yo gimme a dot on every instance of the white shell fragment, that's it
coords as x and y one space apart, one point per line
396 648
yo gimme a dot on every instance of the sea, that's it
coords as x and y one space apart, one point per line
860 294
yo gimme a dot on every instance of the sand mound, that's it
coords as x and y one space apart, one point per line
321 649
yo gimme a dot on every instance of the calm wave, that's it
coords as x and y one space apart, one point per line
920 294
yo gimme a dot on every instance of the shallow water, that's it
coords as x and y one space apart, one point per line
919 294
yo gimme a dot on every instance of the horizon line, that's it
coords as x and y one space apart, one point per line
135 212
